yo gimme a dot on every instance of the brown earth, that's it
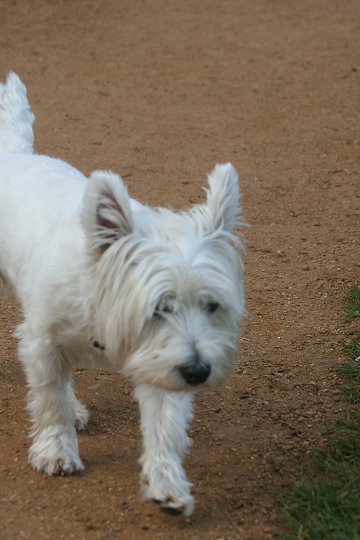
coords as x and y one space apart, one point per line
159 91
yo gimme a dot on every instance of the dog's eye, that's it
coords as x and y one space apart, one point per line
160 310
212 307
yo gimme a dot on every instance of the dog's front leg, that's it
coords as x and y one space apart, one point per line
54 449
164 420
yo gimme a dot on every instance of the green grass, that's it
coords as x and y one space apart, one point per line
326 504
352 348
351 369
352 303
328 507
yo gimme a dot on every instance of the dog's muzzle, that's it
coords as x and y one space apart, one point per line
195 372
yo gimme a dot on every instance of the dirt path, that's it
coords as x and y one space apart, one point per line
160 91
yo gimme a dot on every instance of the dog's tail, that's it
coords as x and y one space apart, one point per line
16 118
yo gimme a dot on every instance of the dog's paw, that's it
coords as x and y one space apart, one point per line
55 452
184 505
60 466
175 499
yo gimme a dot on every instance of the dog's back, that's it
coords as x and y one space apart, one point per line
16 118
40 197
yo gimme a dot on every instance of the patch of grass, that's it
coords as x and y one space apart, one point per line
352 394
326 505
352 303
351 370
346 447
352 348
327 510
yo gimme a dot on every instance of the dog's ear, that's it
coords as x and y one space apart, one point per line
223 198
106 211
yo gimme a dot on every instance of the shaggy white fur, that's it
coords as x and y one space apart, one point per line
106 281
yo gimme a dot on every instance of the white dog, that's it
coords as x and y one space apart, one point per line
106 281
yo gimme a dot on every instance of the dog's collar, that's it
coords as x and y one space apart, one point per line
95 343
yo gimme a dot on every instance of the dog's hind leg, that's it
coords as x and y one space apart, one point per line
54 449
164 420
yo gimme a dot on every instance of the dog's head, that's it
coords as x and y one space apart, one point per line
166 287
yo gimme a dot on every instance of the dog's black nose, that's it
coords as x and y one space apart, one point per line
196 372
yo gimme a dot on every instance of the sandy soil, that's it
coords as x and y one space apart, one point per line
159 91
